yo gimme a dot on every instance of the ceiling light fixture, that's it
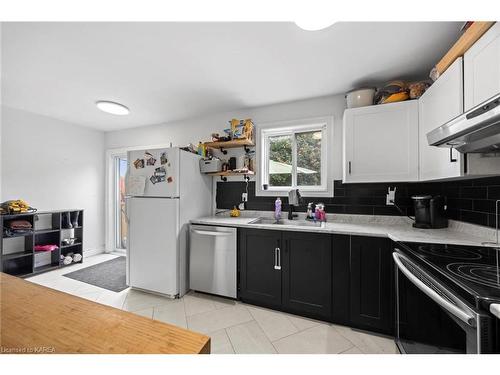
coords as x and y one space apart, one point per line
112 107
314 24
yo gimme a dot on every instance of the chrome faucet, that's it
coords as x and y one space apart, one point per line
293 200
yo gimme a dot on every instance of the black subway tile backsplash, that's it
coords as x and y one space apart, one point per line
471 200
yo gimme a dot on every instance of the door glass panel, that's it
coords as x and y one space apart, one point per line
120 217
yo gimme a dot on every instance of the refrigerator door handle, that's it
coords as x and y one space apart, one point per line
127 216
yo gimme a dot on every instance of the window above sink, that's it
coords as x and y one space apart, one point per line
295 155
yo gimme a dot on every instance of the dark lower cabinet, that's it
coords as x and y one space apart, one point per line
339 278
260 281
307 274
371 284
341 312
290 271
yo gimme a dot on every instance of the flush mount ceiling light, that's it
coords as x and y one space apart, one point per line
314 23
112 107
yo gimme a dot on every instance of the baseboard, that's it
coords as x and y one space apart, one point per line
91 252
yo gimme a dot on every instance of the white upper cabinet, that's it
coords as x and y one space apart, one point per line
381 143
482 68
442 102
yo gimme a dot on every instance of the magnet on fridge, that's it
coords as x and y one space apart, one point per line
153 179
170 179
151 161
160 171
139 163
163 158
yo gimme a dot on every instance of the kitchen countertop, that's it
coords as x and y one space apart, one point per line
396 228
37 319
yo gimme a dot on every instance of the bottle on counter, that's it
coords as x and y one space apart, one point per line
277 209
309 211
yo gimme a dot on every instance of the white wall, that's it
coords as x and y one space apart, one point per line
193 130
53 165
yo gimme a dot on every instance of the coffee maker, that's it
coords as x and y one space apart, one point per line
430 212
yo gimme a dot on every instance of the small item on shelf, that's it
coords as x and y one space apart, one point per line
77 257
229 135
17 206
211 165
360 97
67 260
74 218
215 137
66 221
225 167
394 91
48 247
201 149
234 212
240 170
17 227
417 89
69 241
43 258
232 163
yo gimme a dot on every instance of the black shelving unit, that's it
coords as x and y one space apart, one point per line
17 254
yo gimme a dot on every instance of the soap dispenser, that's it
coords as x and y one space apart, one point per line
277 209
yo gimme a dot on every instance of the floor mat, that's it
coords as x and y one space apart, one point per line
109 275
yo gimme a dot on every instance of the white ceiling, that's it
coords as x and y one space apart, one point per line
171 71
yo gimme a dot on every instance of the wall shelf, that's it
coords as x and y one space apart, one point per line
222 146
231 144
225 175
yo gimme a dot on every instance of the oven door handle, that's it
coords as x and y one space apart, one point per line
495 309
452 309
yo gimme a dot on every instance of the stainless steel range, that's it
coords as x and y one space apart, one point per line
448 298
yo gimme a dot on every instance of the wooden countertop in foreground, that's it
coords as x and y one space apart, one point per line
36 319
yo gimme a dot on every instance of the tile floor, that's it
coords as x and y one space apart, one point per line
234 327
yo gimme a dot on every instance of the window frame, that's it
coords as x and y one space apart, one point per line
265 131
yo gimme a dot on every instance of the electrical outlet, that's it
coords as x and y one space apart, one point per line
390 197
244 197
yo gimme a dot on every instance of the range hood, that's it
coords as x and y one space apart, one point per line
475 131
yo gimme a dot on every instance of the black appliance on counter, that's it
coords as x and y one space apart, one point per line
447 298
430 212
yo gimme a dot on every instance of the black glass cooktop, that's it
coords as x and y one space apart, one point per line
475 270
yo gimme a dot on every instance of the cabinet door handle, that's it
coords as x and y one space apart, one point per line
349 167
452 159
277 260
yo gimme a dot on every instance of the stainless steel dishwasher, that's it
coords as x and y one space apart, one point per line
212 260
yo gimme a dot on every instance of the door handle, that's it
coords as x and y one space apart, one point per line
453 309
277 259
349 167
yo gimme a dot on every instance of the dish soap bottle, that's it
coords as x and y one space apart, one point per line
277 209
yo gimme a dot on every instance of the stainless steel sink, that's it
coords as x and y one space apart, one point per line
297 223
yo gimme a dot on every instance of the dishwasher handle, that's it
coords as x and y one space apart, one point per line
211 233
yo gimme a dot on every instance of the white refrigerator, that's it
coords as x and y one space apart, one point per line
164 190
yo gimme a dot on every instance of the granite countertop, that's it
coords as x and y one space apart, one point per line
397 228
